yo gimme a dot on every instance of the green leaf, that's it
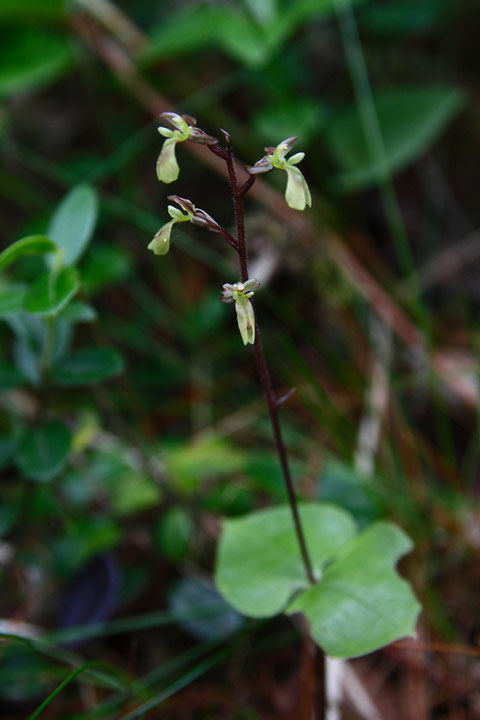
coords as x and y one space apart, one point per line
248 43
360 603
73 222
206 614
254 39
259 566
11 298
31 58
34 244
44 451
209 456
87 366
78 312
52 291
132 492
410 119
174 533
185 31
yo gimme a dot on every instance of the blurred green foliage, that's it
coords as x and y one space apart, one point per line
130 417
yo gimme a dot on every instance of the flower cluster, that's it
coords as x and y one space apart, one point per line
240 294
167 166
160 244
297 193
297 196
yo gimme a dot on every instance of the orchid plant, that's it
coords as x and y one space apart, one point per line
304 557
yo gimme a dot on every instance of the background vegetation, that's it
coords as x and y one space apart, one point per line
133 426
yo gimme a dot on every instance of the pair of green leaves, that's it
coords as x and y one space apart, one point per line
359 602
68 235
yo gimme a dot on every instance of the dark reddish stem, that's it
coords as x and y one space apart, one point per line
247 185
263 370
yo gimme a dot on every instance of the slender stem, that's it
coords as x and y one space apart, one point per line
266 381
239 216
247 185
264 374
229 238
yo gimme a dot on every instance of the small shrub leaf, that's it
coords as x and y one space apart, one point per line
33 244
44 451
73 222
87 366
52 291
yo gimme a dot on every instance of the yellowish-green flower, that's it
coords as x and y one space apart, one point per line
240 293
167 166
297 193
160 244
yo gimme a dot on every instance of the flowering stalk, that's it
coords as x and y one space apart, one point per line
298 197
264 372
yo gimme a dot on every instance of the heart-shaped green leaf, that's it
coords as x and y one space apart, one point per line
44 451
259 567
52 291
87 366
361 603
73 222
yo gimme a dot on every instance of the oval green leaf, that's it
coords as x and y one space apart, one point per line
52 291
410 120
259 566
87 366
361 603
44 451
31 245
73 222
